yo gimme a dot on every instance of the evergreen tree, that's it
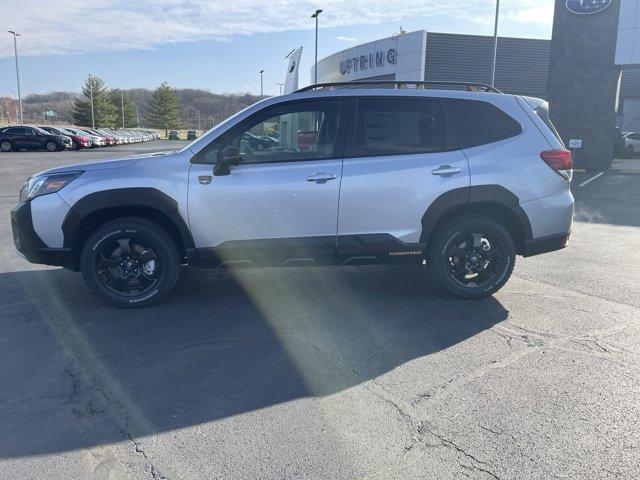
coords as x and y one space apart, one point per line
118 97
103 110
163 110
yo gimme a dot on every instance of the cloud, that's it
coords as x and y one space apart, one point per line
73 26
346 39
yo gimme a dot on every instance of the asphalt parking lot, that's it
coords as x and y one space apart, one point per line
337 373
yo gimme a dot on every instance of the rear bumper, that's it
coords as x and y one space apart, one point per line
552 243
31 246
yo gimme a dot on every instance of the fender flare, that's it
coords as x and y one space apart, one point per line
125 197
470 196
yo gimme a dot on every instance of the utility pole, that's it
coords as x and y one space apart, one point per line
93 118
261 77
122 104
15 52
315 68
495 45
280 85
199 120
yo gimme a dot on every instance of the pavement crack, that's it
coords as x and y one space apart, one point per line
73 383
473 463
121 422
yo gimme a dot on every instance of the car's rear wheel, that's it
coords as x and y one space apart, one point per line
5 146
472 256
51 146
130 262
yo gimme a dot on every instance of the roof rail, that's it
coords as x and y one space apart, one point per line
420 85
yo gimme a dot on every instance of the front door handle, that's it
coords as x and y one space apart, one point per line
321 177
445 170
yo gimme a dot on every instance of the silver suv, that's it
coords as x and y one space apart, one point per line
461 179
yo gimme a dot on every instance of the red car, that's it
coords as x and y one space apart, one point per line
79 141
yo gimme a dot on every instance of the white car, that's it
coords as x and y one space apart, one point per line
461 181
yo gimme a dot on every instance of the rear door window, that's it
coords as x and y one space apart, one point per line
399 126
481 123
15 131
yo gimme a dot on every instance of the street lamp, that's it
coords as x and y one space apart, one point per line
93 118
315 69
280 85
495 45
15 51
261 77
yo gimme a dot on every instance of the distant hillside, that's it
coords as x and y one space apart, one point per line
210 108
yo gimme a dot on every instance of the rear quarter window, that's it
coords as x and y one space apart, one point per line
480 123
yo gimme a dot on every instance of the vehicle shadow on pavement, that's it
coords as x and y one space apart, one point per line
78 373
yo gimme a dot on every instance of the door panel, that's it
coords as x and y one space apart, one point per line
390 194
265 201
280 201
403 156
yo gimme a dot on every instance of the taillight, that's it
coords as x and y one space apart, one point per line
560 161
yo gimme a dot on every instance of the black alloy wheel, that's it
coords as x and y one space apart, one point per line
128 266
472 256
130 262
473 259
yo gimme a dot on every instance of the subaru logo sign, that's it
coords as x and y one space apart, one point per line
587 6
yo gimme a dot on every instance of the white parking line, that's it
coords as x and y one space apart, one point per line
591 179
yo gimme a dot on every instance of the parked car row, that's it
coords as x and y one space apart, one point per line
50 138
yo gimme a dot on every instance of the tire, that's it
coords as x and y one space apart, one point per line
51 146
139 278
461 248
6 146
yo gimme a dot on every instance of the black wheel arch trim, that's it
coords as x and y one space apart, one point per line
476 195
145 197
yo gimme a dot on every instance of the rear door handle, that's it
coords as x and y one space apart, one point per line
321 177
445 170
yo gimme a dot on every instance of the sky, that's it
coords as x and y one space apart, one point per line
220 45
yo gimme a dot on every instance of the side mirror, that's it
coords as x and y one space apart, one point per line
227 157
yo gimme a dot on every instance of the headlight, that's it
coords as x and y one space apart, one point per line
45 184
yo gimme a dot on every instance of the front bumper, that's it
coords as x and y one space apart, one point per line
31 246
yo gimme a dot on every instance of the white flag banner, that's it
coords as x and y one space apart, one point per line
291 79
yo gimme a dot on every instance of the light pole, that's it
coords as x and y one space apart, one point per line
315 68
280 85
93 118
15 52
261 77
122 105
495 45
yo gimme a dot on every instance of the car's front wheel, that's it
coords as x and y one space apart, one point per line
51 146
472 256
5 146
130 262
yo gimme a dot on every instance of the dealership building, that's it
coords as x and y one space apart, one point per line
587 71
522 65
